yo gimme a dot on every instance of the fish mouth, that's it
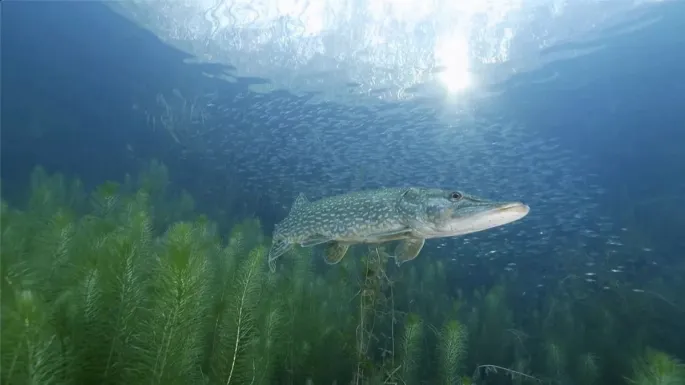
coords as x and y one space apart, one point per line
515 208
495 215
503 214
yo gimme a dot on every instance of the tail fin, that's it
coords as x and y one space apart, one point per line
278 248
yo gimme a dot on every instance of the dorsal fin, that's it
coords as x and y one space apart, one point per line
300 202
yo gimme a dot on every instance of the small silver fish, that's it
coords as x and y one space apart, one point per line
410 215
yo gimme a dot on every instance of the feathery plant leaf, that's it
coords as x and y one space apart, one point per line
123 288
657 368
555 360
222 268
453 342
48 193
170 344
231 363
30 353
89 323
588 368
154 179
266 345
105 198
15 266
410 348
302 271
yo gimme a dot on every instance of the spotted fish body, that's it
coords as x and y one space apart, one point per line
410 215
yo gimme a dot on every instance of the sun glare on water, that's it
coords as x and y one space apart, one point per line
452 55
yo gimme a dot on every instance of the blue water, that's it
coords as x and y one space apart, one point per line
595 144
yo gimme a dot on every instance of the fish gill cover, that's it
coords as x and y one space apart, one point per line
159 274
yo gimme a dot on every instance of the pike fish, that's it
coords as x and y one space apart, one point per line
409 215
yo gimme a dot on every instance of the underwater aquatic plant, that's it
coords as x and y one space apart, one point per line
239 321
515 375
30 347
410 347
489 323
452 351
264 346
108 287
588 368
657 368
170 342
555 359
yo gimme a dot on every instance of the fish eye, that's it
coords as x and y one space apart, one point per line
455 196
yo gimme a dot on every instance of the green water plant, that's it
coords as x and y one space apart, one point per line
655 367
588 368
452 351
411 348
238 335
125 284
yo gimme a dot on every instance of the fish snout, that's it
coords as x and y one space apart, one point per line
516 208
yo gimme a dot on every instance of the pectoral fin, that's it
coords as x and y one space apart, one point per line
408 249
335 251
